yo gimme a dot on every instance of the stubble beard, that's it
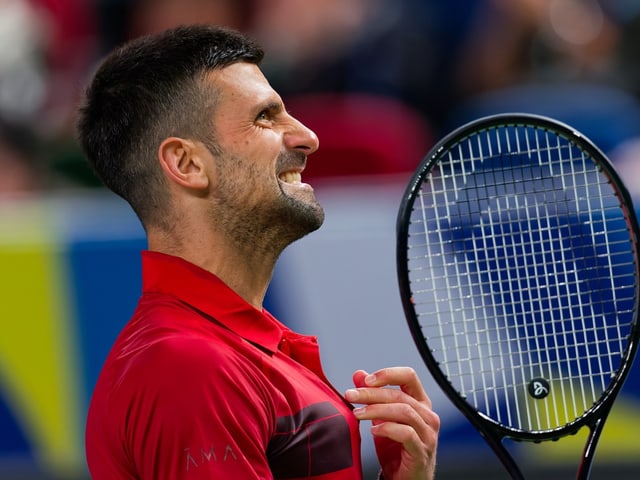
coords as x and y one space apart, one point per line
265 228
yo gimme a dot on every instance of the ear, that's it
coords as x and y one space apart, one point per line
183 163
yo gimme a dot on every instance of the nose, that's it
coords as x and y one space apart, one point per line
299 137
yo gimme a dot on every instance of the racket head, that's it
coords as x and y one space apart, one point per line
499 200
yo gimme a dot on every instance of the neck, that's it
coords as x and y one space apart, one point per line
245 270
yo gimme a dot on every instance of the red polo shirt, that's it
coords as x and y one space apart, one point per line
201 385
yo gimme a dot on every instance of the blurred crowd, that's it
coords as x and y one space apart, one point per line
433 61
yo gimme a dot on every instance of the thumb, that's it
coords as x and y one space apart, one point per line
358 378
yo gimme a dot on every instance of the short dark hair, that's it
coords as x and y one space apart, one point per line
145 91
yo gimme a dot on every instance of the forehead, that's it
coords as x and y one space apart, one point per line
242 85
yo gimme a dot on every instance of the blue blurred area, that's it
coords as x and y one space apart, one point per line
107 283
13 440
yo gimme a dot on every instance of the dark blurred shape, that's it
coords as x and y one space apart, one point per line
403 49
565 59
527 41
153 16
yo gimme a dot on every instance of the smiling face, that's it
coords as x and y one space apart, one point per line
258 194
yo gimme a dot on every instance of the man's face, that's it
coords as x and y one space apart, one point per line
258 189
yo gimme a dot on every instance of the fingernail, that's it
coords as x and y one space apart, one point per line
352 394
359 411
369 379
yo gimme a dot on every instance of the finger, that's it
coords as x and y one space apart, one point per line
392 405
426 422
404 377
381 395
387 404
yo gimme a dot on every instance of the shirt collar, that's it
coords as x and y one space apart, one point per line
204 291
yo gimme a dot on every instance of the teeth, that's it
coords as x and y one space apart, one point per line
291 177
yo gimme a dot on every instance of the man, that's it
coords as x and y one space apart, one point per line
204 383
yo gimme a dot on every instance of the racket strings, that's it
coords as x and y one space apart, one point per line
521 268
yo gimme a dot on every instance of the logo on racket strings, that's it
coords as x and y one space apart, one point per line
539 388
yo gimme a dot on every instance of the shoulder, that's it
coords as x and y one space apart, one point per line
163 330
167 347
174 378
167 355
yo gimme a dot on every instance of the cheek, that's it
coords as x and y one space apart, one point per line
260 166
256 183
249 176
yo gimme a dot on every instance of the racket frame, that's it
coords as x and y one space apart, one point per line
493 432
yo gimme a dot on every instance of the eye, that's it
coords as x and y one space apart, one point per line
263 116
268 114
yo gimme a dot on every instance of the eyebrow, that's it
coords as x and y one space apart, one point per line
272 107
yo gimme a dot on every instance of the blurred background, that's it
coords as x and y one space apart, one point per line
380 81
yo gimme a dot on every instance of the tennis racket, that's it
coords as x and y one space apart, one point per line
517 260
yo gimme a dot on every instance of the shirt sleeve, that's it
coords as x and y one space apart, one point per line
197 413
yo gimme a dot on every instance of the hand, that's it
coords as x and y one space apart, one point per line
404 427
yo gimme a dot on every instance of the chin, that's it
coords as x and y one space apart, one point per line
303 218
312 217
